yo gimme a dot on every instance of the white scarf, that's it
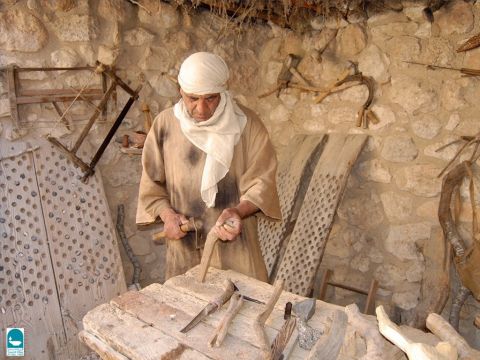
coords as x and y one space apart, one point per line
216 137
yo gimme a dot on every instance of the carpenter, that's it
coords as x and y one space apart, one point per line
209 158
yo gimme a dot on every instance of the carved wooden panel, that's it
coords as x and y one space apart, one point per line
307 243
28 296
290 178
59 250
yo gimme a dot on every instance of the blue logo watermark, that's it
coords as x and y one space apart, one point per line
15 342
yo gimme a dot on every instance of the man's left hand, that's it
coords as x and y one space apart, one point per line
229 224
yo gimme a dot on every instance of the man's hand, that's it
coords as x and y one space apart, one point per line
172 222
229 224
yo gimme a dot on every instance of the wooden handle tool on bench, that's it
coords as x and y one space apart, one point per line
208 251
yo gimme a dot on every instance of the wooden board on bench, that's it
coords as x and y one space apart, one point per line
146 324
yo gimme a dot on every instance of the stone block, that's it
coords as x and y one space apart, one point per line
164 86
399 148
65 57
374 170
280 114
428 210
75 28
406 300
453 121
446 153
373 62
375 255
403 47
402 240
59 5
155 59
451 95
115 10
361 211
351 40
385 116
21 31
387 17
342 114
455 18
360 263
138 37
167 16
412 94
389 275
420 179
397 207
427 126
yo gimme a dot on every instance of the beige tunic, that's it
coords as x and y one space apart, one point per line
172 173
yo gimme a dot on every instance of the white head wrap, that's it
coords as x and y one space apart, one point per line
200 74
203 73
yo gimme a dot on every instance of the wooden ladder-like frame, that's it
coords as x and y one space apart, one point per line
371 293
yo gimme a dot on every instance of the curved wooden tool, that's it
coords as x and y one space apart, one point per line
414 350
207 253
218 336
440 327
191 225
259 323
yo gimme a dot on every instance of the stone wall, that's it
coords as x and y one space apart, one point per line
387 226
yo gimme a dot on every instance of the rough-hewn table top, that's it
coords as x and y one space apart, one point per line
146 324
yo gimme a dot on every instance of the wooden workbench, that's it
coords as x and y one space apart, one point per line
146 324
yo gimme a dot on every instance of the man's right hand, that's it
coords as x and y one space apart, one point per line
172 222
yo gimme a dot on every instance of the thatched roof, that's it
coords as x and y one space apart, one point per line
297 13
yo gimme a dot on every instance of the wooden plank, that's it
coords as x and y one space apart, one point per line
308 240
241 326
105 351
188 287
12 95
40 99
66 92
55 68
132 337
249 286
158 315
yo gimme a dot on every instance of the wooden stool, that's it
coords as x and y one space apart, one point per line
370 303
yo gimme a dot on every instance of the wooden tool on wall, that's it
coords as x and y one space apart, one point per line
18 96
88 169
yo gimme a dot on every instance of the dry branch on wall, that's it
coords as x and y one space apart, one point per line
470 44
469 141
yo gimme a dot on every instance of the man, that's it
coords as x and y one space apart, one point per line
210 159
